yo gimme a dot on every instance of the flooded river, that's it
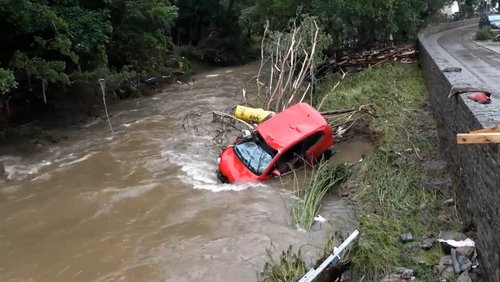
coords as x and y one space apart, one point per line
144 204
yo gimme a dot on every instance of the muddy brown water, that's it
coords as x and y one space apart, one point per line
144 204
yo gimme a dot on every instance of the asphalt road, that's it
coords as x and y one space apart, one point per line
480 60
480 63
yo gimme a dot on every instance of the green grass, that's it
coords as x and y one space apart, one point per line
387 187
318 183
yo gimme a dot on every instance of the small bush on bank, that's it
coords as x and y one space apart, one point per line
484 34
323 178
288 267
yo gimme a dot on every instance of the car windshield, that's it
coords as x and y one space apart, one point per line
256 158
494 18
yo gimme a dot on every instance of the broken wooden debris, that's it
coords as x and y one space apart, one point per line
481 136
355 59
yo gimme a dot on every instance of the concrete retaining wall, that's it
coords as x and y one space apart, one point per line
476 167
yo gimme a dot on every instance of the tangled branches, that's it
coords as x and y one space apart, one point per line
223 129
290 57
343 120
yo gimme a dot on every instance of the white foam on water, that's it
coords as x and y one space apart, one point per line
9 158
116 195
84 158
151 119
200 171
92 122
23 171
212 75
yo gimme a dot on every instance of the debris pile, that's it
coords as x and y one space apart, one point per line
458 263
343 120
359 59
401 274
460 257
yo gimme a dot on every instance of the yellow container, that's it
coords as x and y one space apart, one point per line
252 114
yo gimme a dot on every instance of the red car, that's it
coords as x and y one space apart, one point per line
285 141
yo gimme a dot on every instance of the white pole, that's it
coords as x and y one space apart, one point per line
102 82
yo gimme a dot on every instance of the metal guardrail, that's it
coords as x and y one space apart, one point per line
332 259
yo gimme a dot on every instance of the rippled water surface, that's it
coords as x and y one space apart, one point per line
143 204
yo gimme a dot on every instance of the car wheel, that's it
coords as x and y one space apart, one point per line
221 177
326 155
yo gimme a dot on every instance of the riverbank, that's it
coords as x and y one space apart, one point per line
403 185
31 124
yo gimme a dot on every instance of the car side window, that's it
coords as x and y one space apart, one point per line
295 156
310 141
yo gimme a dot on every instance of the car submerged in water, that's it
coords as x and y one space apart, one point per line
284 142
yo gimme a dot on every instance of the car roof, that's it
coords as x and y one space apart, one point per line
291 125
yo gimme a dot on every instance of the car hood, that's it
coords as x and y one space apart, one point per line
231 167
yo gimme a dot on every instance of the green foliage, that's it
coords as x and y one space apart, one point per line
75 39
7 81
39 68
90 32
484 34
69 39
114 80
349 22
141 31
213 27
289 267
388 186
279 13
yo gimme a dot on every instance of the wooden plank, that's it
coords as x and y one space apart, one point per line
478 138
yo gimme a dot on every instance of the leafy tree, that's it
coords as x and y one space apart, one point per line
277 12
7 81
35 40
213 29
349 22
60 40
141 31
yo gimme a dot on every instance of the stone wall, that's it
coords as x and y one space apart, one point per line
475 167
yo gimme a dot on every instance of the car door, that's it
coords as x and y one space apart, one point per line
296 156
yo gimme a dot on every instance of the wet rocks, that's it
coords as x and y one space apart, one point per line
460 261
466 251
445 268
464 277
406 273
406 238
454 260
427 242
401 274
452 235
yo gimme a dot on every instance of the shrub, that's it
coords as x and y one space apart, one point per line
484 34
